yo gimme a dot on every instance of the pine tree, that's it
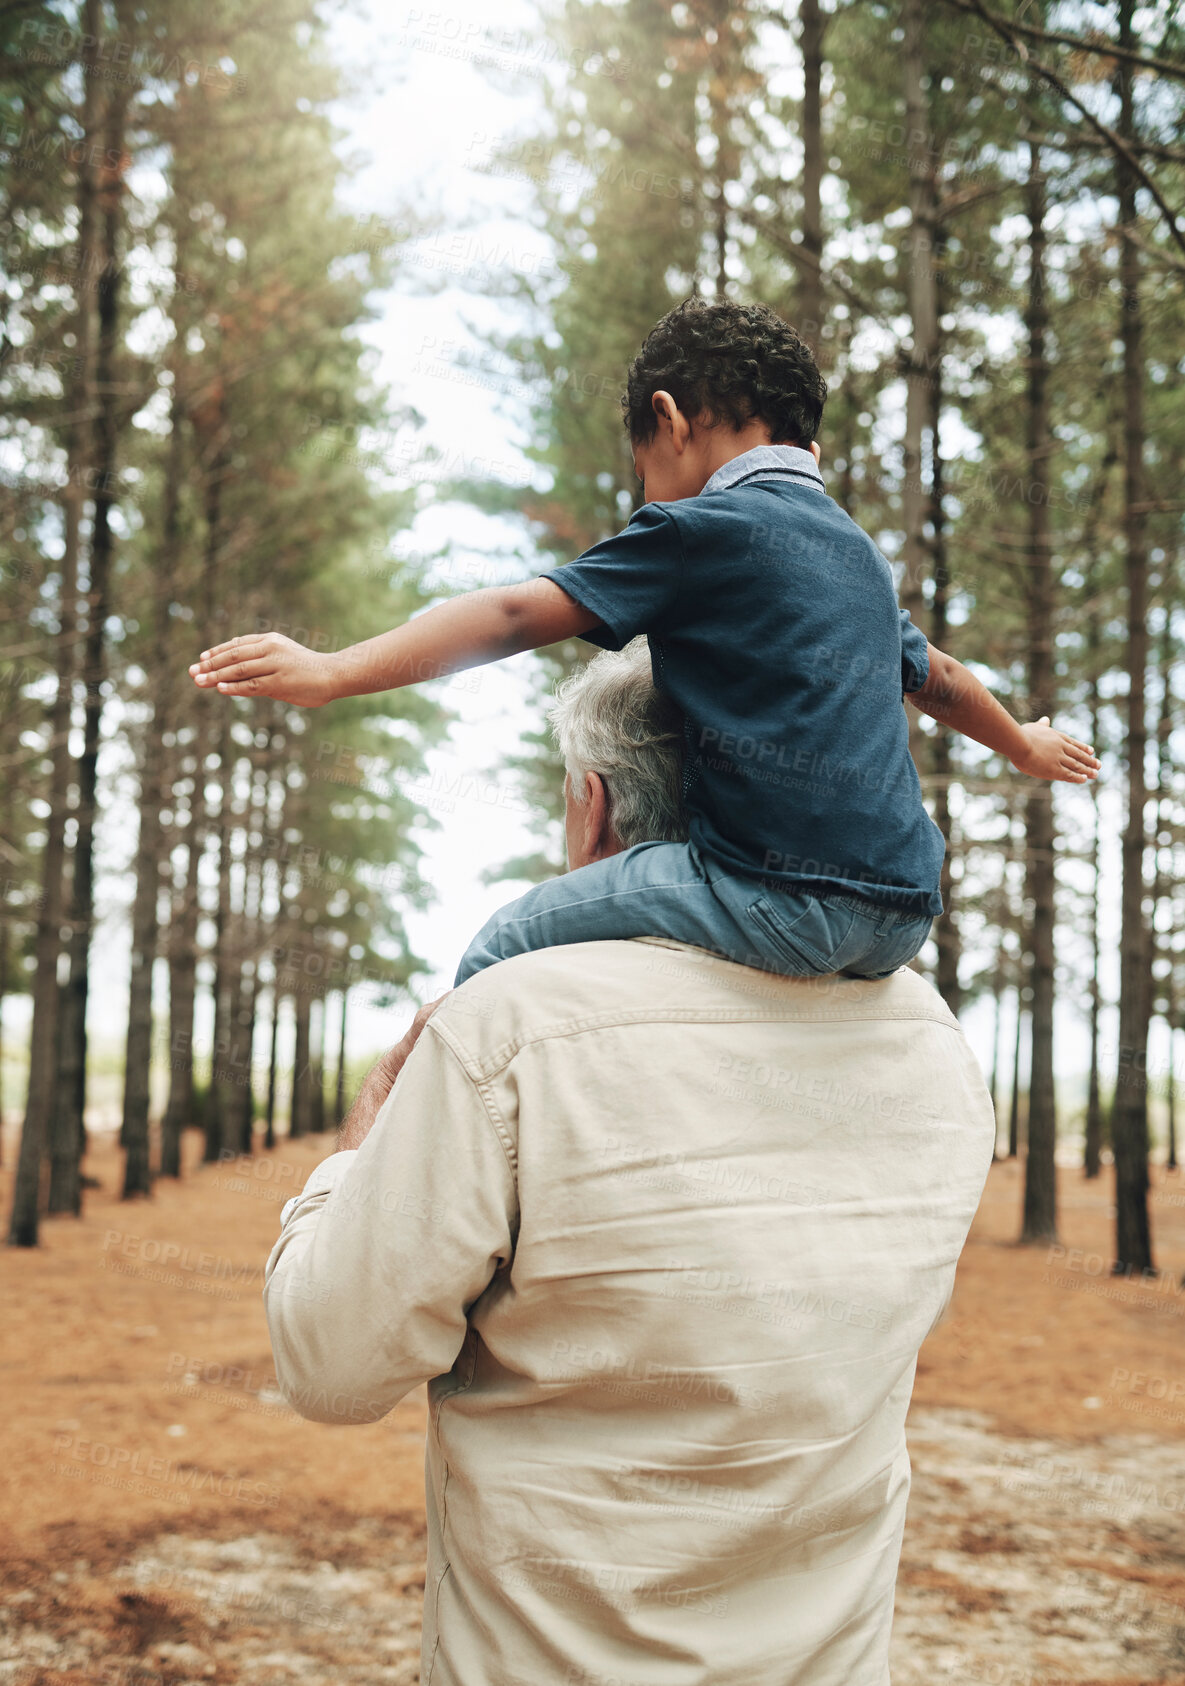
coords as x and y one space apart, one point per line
37 196
1129 1114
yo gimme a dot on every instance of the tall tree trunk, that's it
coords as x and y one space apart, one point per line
1129 1112
1040 1198
300 1116
810 285
3 987
1093 1146
285 983
724 167
998 1001
216 456
847 477
152 850
339 1099
1095 1121
245 1090
216 1096
68 1107
183 922
26 1199
247 995
1163 843
721 241
269 1139
1014 1103
946 931
921 360
317 1069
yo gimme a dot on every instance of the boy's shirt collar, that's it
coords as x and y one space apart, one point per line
767 462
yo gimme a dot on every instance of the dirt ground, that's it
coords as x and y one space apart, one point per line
165 1519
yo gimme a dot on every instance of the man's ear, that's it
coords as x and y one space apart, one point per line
599 837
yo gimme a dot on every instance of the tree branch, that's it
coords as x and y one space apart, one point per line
807 260
1168 67
1004 29
1080 142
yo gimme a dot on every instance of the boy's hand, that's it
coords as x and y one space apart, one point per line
267 664
477 627
1054 755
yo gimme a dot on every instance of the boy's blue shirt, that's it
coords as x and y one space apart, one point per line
774 625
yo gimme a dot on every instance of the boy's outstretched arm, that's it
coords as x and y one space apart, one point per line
954 696
481 626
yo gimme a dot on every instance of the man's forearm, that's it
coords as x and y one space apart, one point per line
380 1080
953 695
468 631
376 1086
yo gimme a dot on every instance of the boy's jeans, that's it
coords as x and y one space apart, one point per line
671 890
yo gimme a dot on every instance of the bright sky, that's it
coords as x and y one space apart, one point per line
426 113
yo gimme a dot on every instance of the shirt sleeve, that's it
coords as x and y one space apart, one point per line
630 581
368 1289
915 657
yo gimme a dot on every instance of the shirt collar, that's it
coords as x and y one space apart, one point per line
767 462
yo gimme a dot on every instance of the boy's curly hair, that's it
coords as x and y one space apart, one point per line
726 362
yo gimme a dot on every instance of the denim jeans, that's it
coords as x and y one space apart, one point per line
671 890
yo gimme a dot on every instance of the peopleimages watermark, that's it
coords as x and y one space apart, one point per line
532 158
452 35
301 1609
261 1175
1093 1273
190 1377
115 58
765 1300
834 1090
773 761
697 1500
1147 1394
134 1469
606 1584
1153 1614
1105 1491
176 1265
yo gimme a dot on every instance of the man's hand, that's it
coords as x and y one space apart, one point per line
380 1080
269 665
1050 754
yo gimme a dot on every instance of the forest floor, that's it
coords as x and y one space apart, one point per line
164 1519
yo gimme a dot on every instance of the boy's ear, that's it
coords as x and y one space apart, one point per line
671 419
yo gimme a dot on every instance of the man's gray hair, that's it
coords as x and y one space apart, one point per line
608 718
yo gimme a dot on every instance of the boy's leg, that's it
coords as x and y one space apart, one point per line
801 933
895 939
651 890
669 890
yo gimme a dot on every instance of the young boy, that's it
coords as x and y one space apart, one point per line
773 625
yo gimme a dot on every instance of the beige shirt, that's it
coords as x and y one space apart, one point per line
663 1234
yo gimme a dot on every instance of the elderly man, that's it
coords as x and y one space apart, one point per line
663 1235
